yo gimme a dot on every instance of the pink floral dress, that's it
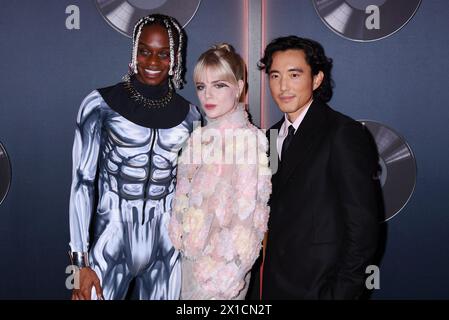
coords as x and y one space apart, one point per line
220 210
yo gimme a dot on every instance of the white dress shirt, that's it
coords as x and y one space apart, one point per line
283 132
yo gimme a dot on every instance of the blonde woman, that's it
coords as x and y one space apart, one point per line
220 211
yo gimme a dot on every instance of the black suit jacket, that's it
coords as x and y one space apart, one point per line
325 210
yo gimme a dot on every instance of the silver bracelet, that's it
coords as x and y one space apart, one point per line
79 259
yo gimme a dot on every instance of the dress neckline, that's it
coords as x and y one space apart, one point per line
236 118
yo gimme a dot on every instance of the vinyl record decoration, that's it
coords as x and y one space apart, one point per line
398 167
365 20
123 14
5 173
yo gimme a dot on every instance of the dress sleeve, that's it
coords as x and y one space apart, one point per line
181 200
85 153
252 189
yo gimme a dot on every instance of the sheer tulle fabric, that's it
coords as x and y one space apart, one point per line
220 209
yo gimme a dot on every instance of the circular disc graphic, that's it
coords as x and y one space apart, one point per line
5 173
365 20
398 167
122 15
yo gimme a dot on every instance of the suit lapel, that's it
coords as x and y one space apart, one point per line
311 128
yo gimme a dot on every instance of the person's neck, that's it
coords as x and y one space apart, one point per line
151 92
292 117
235 118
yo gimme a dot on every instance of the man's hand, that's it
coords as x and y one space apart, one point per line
88 279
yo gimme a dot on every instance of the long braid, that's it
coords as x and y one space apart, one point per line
172 46
178 71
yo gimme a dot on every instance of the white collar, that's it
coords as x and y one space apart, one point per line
297 122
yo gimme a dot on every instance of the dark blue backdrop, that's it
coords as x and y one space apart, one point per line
46 70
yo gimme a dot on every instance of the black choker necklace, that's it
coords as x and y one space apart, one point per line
149 103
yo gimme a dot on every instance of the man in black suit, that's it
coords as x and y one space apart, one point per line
326 201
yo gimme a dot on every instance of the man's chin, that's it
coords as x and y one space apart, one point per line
286 109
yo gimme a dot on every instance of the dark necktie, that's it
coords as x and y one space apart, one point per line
288 139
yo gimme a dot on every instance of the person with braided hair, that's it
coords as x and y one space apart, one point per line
125 153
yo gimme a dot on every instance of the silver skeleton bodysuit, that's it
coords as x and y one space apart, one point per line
135 169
